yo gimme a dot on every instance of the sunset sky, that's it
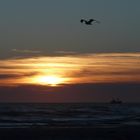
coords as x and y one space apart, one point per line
47 55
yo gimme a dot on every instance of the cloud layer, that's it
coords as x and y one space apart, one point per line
87 68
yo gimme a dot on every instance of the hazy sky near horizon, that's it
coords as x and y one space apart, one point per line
47 55
50 26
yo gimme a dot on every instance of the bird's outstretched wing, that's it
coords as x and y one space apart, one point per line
91 20
94 20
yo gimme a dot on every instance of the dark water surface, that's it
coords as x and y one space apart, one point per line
69 115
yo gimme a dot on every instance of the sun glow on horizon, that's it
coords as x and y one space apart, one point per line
77 69
51 80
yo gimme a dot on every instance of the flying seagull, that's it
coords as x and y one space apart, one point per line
89 22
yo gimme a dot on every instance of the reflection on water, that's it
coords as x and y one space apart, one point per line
69 115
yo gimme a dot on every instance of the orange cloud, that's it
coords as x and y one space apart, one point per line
88 68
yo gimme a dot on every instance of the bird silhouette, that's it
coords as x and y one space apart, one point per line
90 21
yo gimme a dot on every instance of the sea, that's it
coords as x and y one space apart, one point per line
19 115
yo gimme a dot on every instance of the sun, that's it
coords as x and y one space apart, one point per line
49 80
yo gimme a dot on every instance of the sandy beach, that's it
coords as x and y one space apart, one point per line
64 133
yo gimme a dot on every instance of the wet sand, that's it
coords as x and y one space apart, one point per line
64 133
